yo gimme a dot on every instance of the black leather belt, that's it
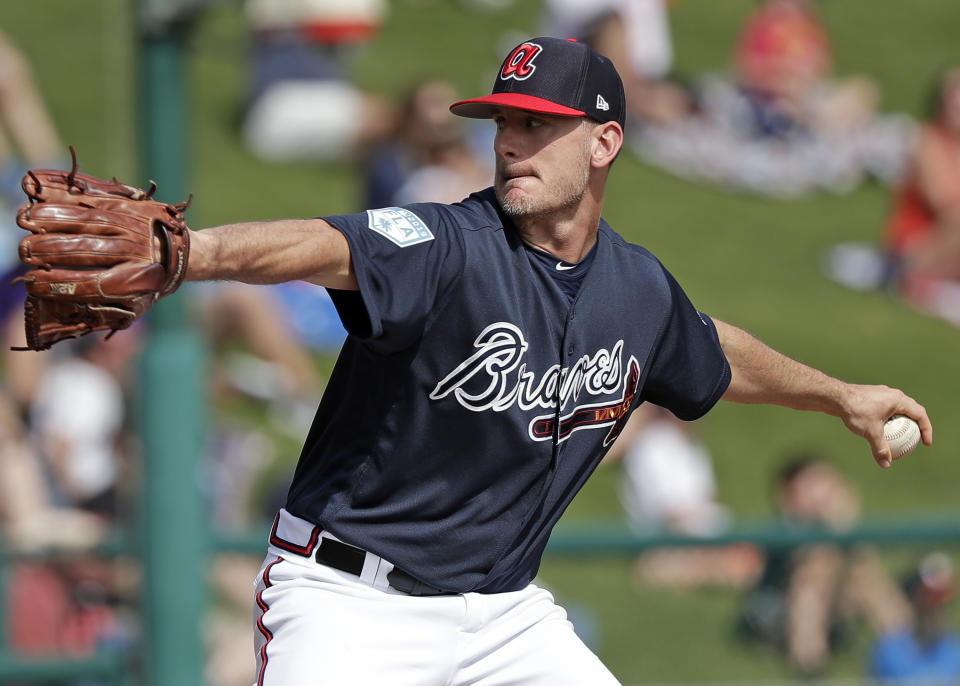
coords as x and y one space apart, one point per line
348 558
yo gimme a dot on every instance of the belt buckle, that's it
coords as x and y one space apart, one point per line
405 583
346 558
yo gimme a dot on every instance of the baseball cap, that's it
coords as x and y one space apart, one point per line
553 76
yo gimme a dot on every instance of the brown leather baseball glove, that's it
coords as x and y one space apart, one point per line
102 253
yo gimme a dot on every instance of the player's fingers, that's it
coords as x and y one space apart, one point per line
882 453
918 413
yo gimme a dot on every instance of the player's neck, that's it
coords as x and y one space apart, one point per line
567 234
569 246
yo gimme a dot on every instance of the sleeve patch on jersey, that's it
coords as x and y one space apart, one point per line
401 226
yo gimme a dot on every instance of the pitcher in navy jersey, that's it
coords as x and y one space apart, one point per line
496 347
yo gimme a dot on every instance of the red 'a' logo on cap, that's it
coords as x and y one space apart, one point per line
519 64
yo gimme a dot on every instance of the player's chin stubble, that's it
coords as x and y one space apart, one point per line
563 195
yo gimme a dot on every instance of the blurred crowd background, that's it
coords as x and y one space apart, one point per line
795 163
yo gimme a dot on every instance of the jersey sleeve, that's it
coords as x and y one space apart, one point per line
689 371
404 259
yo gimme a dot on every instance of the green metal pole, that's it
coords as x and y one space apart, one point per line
171 399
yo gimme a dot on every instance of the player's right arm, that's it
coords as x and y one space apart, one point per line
272 252
760 374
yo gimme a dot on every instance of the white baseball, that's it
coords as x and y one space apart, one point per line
902 433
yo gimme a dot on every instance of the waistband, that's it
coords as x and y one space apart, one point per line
300 537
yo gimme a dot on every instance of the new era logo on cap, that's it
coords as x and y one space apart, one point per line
553 76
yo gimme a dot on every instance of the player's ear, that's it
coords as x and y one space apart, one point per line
607 141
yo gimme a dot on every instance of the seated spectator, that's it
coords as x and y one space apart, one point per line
258 317
31 516
79 419
53 607
927 650
923 234
784 65
302 103
263 339
668 484
781 122
635 35
30 520
918 257
429 158
668 480
806 598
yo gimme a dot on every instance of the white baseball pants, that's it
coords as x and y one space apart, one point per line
318 626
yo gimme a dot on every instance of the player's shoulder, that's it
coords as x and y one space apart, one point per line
477 211
641 259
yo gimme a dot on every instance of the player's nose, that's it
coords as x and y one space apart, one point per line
506 143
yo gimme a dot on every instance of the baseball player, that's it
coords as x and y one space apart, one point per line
497 347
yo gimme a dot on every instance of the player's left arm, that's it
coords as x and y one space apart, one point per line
272 252
760 374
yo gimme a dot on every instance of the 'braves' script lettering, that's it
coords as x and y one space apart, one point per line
498 378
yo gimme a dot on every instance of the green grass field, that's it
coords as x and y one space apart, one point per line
751 261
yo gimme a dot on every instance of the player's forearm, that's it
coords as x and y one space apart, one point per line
272 252
760 374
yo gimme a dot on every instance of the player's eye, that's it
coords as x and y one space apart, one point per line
533 123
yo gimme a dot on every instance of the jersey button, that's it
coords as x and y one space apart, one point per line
570 349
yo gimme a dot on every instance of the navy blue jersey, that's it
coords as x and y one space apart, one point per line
472 399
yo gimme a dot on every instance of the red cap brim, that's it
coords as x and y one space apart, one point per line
482 108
